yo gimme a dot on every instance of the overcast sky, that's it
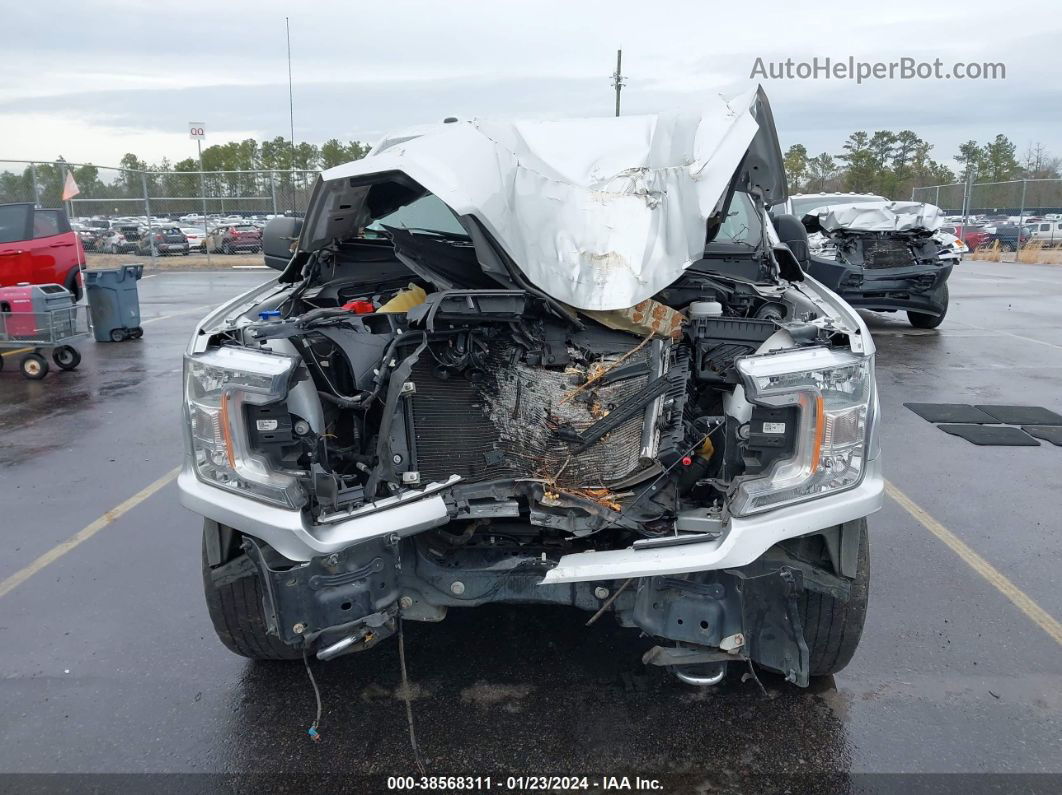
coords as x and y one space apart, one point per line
93 80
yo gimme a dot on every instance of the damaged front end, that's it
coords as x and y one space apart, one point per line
408 423
883 256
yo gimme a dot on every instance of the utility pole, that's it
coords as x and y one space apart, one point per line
291 115
618 80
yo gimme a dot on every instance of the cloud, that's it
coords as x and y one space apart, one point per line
120 75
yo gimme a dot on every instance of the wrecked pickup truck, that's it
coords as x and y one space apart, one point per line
564 362
884 256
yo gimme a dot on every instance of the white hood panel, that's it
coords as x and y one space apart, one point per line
878 217
598 213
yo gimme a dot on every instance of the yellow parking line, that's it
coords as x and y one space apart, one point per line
56 552
16 351
1019 598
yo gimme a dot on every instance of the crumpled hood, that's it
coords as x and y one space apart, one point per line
598 213
874 217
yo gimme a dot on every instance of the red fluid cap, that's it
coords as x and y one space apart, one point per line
686 460
360 307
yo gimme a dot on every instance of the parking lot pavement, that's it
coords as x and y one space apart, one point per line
108 662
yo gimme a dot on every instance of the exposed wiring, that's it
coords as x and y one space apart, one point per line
608 602
407 696
661 476
756 679
312 731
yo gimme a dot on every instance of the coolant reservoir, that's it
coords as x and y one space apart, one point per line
699 309
405 300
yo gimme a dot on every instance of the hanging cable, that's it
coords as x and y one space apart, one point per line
312 731
407 696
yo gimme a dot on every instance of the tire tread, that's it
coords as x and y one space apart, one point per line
832 628
236 611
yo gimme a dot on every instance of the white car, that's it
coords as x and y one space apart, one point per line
951 248
196 237
553 387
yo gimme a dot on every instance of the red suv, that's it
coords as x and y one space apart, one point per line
233 238
972 235
39 247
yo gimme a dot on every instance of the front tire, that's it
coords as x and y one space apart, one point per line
236 610
929 321
832 628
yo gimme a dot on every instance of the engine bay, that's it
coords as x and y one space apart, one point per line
595 430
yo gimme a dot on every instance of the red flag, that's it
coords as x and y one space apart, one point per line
70 188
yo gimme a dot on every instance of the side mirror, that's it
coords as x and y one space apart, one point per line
278 241
795 236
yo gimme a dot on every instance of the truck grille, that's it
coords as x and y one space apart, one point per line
886 252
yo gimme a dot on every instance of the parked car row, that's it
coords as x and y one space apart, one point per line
1008 232
112 237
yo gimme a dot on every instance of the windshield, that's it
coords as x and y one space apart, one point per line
426 213
804 204
742 224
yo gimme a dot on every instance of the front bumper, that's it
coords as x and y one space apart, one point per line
294 536
919 288
744 540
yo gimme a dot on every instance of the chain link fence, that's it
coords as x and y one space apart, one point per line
127 214
1019 197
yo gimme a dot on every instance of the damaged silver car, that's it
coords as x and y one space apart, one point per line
883 256
564 362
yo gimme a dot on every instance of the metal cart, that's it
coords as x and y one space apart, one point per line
39 334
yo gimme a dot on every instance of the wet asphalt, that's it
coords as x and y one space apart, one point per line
109 664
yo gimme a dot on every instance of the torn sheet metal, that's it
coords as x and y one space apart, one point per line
599 213
877 217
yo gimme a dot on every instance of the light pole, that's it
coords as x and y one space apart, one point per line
618 80
197 130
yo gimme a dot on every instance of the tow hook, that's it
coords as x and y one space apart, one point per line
702 680
340 646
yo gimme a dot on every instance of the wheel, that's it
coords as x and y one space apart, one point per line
34 366
235 609
1006 246
136 333
929 321
66 357
74 287
117 334
832 628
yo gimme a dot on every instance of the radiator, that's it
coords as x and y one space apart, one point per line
506 424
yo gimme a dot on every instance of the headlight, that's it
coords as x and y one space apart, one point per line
834 391
217 385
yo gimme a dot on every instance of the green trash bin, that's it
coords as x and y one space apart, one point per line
114 302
